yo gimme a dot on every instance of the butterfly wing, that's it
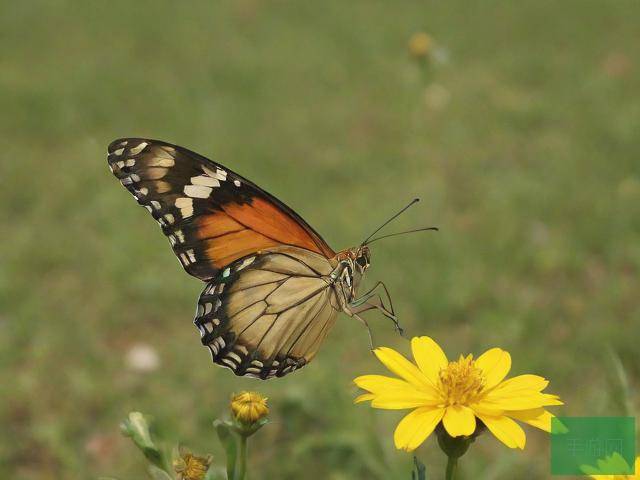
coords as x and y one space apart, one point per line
266 315
211 215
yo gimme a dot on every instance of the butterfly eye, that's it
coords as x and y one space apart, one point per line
362 262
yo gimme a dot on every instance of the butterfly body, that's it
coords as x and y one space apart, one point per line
273 286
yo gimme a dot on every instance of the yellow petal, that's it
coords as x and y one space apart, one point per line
364 397
401 367
495 364
486 408
523 382
536 417
414 428
459 421
524 401
429 357
399 401
380 383
505 430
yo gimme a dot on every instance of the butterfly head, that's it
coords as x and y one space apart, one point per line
352 263
362 258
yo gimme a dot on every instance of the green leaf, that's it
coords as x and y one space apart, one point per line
136 426
158 474
216 473
225 434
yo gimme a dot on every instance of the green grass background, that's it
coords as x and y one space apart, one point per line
530 169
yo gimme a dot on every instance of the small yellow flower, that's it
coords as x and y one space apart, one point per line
191 467
249 407
456 394
613 462
420 45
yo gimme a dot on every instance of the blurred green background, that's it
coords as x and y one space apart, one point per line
520 132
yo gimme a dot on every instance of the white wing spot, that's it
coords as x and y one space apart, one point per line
235 357
192 255
139 148
236 183
205 180
118 152
228 361
130 162
156 204
186 206
246 263
197 191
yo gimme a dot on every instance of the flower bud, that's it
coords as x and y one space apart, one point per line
249 407
420 45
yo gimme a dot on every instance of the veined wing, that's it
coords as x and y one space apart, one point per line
267 314
211 215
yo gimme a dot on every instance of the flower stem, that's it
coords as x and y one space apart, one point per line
452 468
241 469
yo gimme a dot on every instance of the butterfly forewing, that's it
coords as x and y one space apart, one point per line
211 215
266 314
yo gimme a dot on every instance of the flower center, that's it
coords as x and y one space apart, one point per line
461 381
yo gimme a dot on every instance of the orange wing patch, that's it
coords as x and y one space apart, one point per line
224 250
241 229
269 220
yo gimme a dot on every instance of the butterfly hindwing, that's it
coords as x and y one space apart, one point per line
265 315
211 215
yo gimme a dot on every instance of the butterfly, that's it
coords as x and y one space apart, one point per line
274 287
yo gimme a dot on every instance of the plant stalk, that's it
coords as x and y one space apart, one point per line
452 468
241 469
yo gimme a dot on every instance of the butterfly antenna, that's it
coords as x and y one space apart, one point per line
402 233
415 200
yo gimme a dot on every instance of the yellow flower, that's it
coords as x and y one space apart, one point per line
420 44
249 407
456 394
191 467
612 463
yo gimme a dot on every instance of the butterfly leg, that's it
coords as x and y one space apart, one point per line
373 300
364 322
